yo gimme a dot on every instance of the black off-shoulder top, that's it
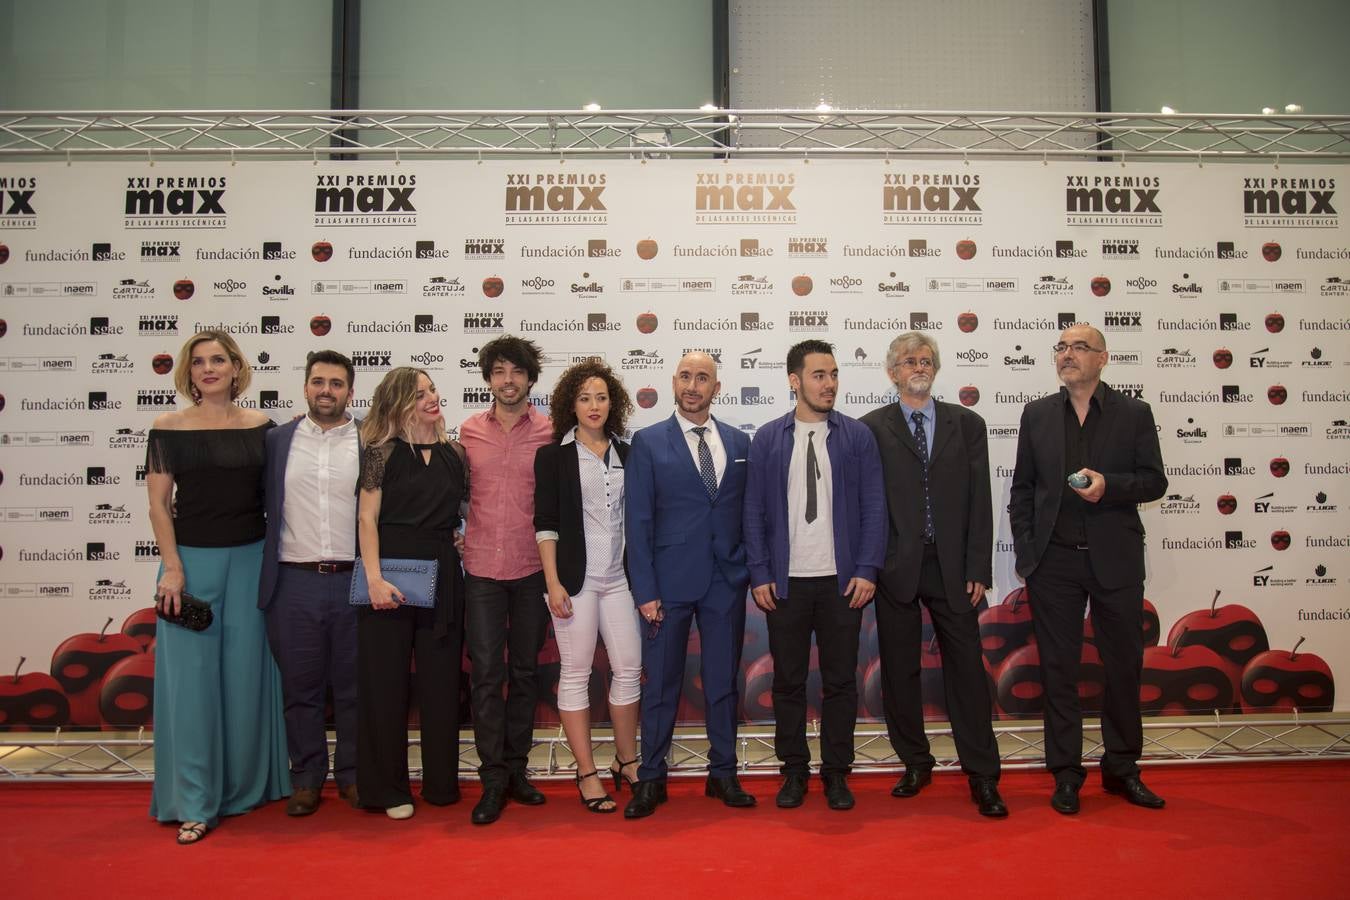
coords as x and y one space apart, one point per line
218 474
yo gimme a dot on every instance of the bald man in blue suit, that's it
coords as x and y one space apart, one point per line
684 486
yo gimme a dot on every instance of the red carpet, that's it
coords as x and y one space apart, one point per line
1279 830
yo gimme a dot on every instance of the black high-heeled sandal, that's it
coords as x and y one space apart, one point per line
617 775
595 804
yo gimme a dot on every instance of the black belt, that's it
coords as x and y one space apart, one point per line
325 567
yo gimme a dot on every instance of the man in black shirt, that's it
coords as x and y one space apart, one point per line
1079 539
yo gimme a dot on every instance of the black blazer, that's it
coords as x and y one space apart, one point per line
557 507
1125 450
958 485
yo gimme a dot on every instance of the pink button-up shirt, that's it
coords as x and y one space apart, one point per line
499 534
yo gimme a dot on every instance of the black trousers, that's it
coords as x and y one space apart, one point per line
965 685
388 641
814 605
1059 587
505 625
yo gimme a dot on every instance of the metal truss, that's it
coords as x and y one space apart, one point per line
486 134
95 756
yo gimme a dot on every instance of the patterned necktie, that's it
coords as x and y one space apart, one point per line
921 441
812 475
705 462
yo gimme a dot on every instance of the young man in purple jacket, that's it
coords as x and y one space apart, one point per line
815 538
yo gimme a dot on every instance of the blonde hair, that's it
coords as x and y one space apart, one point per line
393 409
182 370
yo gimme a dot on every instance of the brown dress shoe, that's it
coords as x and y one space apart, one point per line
348 792
303 802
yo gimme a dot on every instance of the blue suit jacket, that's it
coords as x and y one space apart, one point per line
676 536
858 502
274 498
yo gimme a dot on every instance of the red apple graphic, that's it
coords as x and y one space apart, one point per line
969 395
1151 625
1101 286
127 694
493 286
646 322
1006 627
1233 631
1277 394
4 254
79 664
140 626
801 285
1279 467
967 322
320 325
757 698
1223 358
869 691
1285 680
646 397
646 248
1280 540
1270 251
162 363
31 701
1183 679
1017 683
965 248
183 288
322 251
1227 504
1275 323
4 328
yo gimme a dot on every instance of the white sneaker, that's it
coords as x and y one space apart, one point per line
403 811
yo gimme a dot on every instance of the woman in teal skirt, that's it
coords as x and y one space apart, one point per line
220 740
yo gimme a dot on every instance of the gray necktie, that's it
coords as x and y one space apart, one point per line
705 462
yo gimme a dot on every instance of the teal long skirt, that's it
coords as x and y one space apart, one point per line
220 738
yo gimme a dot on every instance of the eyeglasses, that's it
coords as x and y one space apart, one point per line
1077 347
910 362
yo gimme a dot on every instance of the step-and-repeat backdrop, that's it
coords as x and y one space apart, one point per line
1223 292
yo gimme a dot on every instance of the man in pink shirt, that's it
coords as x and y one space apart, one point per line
506 617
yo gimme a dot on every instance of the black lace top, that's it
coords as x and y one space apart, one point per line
414 493
218 474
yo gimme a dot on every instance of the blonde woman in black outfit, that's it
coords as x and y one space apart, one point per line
412 483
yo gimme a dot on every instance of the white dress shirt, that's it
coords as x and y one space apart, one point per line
714 439
318 517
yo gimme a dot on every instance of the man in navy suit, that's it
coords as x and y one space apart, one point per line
683 495
310 484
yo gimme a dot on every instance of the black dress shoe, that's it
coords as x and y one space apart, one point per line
913 781
793 792
1133 790
984 794
647 795
1065 798
489 807
522 791
303 802
837 794
728 790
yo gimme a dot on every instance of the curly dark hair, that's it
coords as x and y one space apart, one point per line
515 350
563 404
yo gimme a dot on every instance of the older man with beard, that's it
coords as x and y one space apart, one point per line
935 459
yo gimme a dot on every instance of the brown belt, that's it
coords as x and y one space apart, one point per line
325 567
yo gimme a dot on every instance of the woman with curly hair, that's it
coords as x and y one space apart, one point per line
578 521
412 482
